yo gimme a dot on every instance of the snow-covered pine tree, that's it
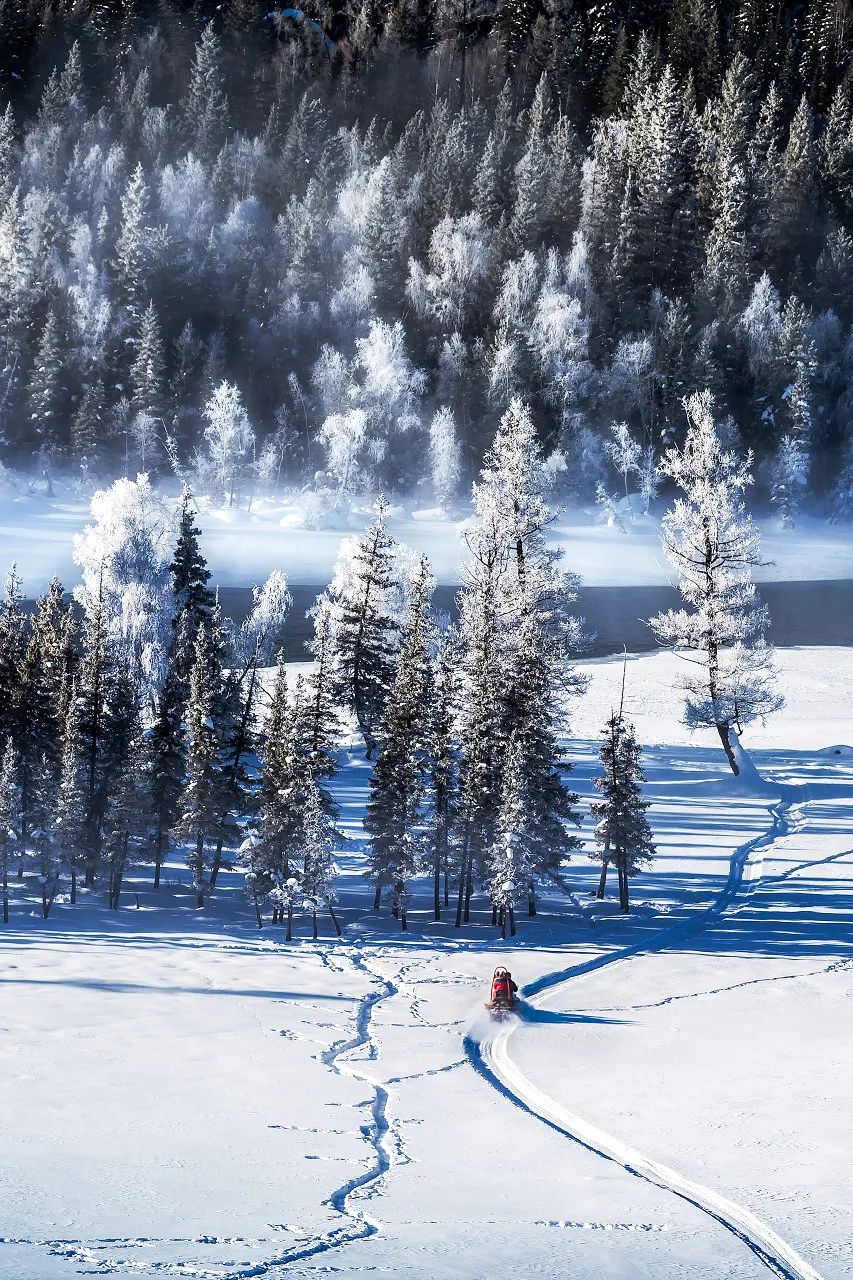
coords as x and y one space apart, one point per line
622 833
166 751
534 707
92 684
10 822
46 859
147 370
318 713
713 545
481 703
535 633
394 815
364 598
508 870
443 766
318 878
270 855
204 111
130 264
200 801
125 819
13 639
254 644
69 837
48 392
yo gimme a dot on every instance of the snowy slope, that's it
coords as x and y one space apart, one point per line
187 1097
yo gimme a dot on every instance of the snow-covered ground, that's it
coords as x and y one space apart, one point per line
244 547
186 1096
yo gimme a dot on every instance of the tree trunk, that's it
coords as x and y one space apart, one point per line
217 862
623 891
335 921
5 899
724 730
602 879
436 887
258 916
403 923
511 913
494 913
531 899
314 924
469 887
199 870
460 901
73 884
377 897
288 937
158 858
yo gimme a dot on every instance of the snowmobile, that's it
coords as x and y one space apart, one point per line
502 1001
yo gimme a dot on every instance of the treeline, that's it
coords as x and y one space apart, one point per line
258 256
151 731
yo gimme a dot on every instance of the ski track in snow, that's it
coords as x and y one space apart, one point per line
492 1060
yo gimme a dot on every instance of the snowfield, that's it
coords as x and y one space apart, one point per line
187 1096
244 547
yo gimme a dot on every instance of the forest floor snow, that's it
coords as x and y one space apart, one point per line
187 1096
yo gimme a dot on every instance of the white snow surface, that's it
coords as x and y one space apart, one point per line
187 1096
243 547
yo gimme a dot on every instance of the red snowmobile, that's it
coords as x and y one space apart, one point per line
502 1000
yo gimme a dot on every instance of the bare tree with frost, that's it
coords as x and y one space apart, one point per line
711 542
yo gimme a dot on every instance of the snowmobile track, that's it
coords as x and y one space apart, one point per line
492 1060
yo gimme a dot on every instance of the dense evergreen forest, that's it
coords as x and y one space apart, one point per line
331 249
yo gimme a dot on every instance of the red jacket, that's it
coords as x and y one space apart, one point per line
503 989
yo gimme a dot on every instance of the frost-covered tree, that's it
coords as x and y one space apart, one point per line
124 558
67 841
201 800
205 106
624 451
125 819
146 373
319 869
482 689
364 599
444 456
271 855
253 646
710 540
317 699
229 439
10 822
534 709
623 836
443 767
648 476
788 475
507 871
394 817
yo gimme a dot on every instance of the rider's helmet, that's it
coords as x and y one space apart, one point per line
501 972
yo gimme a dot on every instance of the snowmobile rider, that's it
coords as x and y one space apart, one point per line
503 988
